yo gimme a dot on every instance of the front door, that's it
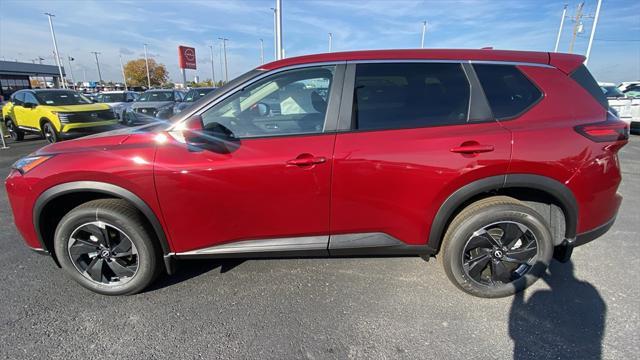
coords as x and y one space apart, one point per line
274 186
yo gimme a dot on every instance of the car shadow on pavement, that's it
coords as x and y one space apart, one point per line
566 321
186 270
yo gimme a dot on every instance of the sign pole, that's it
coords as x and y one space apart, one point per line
184 78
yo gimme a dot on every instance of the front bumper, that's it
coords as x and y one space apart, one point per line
74 130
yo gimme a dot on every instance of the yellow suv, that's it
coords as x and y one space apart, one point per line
55 114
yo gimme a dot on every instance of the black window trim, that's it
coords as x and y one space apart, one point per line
333 105
517 66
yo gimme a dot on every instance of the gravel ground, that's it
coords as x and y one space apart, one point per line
373 308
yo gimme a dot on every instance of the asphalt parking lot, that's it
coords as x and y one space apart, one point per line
373 308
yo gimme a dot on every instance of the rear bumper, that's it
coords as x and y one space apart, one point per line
591 235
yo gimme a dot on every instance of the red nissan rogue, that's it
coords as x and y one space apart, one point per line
495 161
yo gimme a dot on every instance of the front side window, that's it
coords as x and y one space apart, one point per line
30 98
290 102
508 91
409 95
60 97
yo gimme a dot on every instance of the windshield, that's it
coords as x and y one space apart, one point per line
196 94
110 98
612 91
57 97
156 96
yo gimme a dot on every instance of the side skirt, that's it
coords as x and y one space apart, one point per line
363 244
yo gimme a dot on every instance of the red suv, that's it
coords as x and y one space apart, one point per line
496 161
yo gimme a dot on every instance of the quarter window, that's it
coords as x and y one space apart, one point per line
291 102
508 91
406 95
18 98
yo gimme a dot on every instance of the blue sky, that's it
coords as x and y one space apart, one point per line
121 27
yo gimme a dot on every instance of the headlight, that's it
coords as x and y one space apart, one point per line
63 117
26 164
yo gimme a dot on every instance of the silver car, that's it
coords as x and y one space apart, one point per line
152 105
119 101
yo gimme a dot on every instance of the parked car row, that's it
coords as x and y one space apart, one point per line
58 114
625 100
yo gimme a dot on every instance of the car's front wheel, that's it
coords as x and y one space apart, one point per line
106 246
49 132
496 247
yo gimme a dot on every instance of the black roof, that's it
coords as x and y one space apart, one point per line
26 69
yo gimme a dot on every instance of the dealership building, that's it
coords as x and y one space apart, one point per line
18 75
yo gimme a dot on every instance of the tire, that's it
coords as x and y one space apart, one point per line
506 231
14 131
49 132
111 274
128 119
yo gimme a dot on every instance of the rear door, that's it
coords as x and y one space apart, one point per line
411 134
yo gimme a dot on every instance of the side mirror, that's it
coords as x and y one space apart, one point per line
215 137
260 109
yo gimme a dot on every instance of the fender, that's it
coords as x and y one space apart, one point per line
104 188
553 187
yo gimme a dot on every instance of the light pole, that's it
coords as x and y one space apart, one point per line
226 69
279 29
593 32
275 36
55 49
213 72
424 31
124 78
73 82
146 61
330 41
95 53
261 51
564 14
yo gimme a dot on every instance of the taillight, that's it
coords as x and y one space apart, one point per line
613 129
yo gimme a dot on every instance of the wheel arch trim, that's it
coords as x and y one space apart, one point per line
552 187
101 187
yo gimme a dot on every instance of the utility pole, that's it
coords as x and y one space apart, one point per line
279 30
226 69
213 72
70 59
55 49
424 30
146 61
330 41
564 14
124 78
593 32
577 26
95 53
261 51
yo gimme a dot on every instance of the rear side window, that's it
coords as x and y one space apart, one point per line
18 98
583 77
407 95
508 91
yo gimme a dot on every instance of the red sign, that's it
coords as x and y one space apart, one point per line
187 57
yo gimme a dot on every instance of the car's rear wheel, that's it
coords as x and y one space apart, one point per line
49 132
14 131
496 247
106 246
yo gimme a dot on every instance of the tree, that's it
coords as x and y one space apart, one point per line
136 73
